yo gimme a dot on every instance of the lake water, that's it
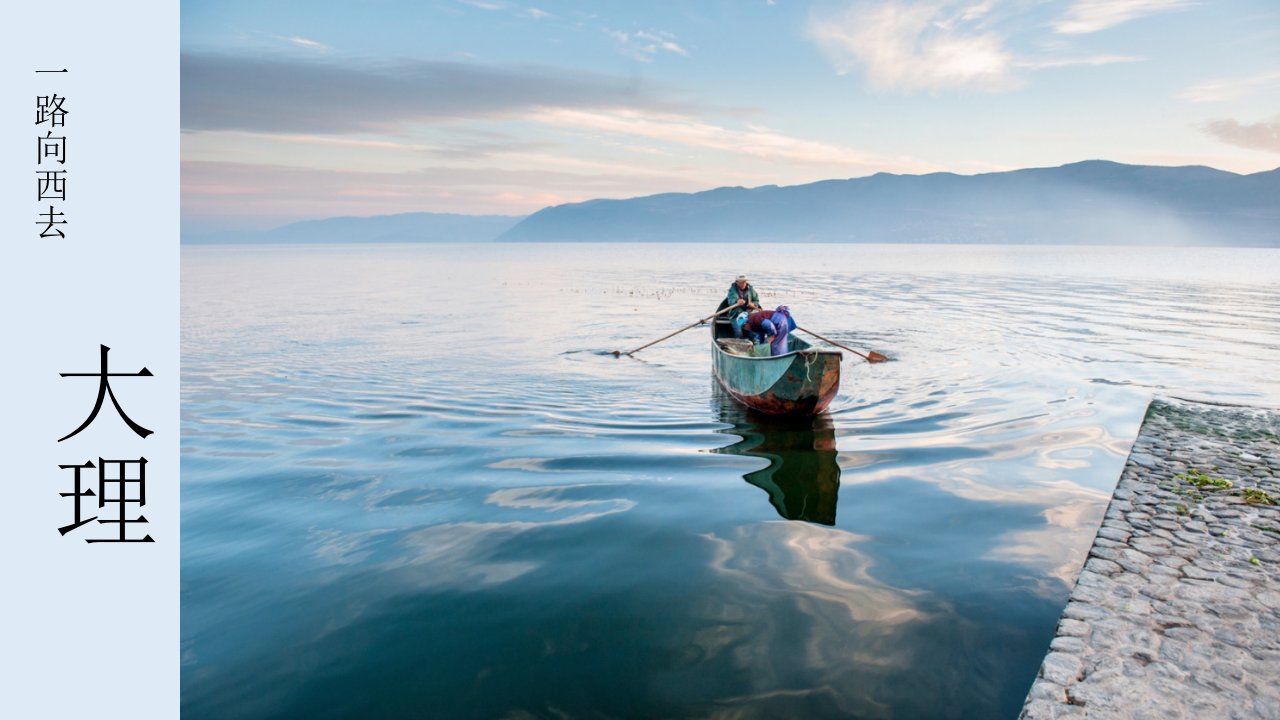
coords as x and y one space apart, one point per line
416 484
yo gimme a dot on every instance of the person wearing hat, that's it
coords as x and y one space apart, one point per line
741 293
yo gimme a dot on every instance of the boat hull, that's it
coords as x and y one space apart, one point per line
801 382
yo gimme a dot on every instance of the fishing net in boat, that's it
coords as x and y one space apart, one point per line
735 346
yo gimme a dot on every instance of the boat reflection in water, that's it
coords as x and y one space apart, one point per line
803 478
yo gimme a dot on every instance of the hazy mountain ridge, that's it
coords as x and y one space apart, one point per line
1092 202
418 227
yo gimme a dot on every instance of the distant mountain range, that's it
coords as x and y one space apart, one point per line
1094 202
421 227
1087 203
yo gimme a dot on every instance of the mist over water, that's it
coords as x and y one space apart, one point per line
416 482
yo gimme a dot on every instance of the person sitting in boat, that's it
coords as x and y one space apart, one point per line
742 294
774 325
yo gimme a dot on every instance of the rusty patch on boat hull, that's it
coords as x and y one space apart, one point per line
808 385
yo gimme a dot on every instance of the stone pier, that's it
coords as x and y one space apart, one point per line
1176 613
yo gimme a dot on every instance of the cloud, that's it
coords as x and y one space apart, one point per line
274 94
916 46
356 152
218 194
1253 136
757 142
661 40
1090 16
1225 89
644 45
1091 60
1052 549
303 42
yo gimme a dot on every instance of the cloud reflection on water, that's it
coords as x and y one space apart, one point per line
465 554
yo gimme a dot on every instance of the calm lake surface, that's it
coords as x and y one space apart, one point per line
415 483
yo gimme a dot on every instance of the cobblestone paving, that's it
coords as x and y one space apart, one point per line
1176 613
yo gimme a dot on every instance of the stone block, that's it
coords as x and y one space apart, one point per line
1156 591
1049 710
1153 546
1112 532
1196 572
1047 690
1100 566
1136 607
1068 644
1143 459
1061 668
1106 553
1228 672
1188 633
1073 628
1231 580
1266 707
1200 595
1167 669
1091 594
1108 694
1084 611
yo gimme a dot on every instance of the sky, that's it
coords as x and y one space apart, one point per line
314 109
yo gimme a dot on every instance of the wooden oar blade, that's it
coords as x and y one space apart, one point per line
873 357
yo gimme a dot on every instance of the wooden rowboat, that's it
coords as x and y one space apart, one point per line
800 382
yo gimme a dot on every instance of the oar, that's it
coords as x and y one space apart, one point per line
874 357
617 353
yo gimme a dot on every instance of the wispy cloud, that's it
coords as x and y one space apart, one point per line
1090 16
273 94
496 5
753 141
274 194
661 40
303 42
916 46
353 152
644 45
1264 135
1093 60
1225 89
